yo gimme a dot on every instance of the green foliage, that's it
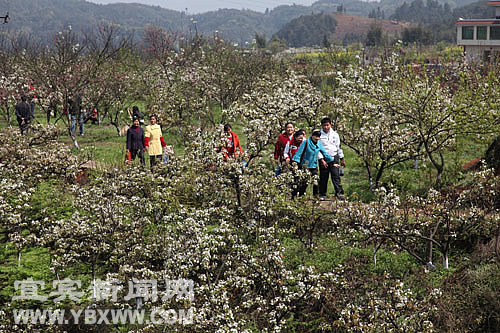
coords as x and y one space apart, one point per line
260 40
374 36
418 35
308 30
478 307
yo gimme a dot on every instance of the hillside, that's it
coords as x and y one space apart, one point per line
312 29
308 30
44 18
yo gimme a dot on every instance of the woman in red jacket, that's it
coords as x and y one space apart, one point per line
279 147
292 147
232 143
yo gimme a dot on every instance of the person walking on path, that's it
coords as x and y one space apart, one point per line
153 141
307 158
279 147
135 141
23 115
331 142
232 147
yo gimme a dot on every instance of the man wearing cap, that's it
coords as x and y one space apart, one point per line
153 141
331 141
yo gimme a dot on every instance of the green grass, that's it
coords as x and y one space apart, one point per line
330 252
34 263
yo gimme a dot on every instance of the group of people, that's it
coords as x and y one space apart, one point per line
149 140
322 148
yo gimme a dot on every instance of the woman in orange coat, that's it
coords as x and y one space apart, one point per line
232 143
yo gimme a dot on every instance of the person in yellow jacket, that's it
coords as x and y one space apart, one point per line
153 140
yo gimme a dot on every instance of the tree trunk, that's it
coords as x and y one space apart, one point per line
237 188
429 259
8 116
370 177
379 173
438 165
73 138
117 128
93 283
445 260
439 176
375 250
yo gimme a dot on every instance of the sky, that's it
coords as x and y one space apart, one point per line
201 6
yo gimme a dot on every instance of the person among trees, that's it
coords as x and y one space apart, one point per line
135 141
331 142
75 113
279 148
232 143
138 114
94 116
153 141
292 146
23 114
307 157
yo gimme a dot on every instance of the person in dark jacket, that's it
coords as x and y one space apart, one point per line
23 115
135 141
137 114
76 114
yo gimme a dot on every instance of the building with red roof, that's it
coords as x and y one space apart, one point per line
480 38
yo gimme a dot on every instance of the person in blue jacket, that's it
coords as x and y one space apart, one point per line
307 158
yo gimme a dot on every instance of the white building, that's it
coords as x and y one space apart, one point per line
481 37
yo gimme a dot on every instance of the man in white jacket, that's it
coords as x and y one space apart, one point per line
331 142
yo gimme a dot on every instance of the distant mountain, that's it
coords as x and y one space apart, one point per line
44 18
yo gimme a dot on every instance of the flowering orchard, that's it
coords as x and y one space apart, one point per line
392 113
183 221
257 260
